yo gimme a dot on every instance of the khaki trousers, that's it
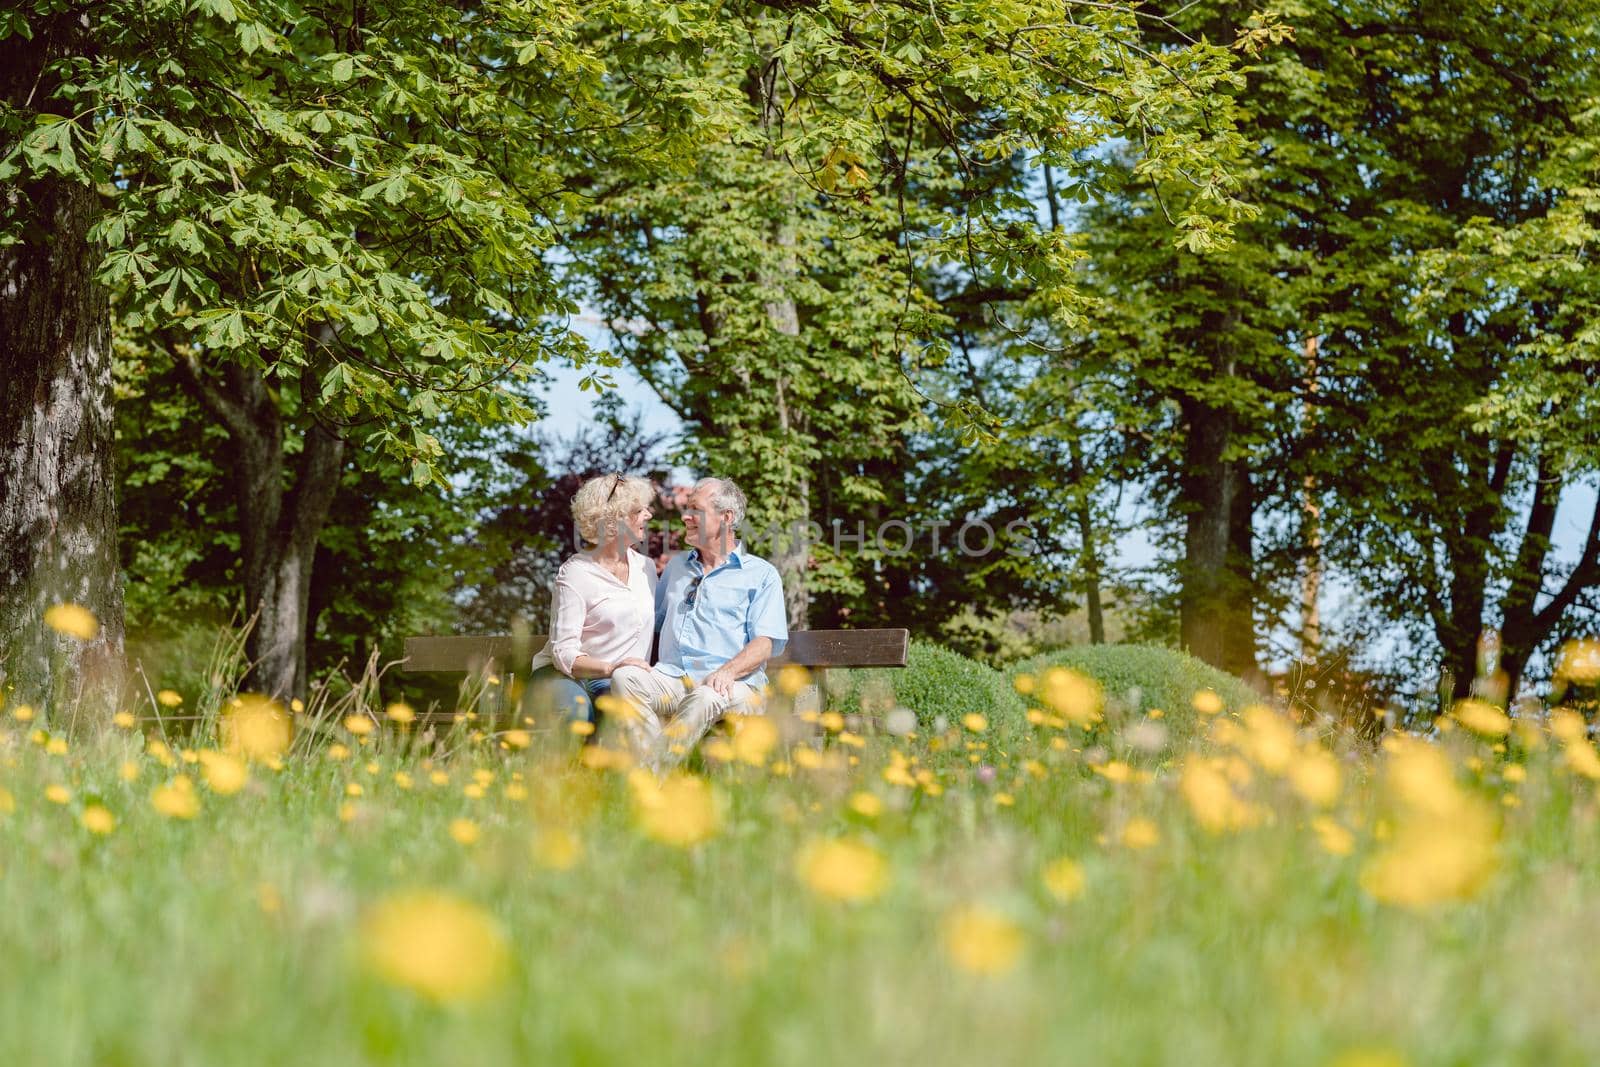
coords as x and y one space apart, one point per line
672 719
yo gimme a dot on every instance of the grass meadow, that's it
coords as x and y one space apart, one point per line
1065 872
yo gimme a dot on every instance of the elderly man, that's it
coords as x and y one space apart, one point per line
720 615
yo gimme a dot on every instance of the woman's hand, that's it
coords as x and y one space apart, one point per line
631 661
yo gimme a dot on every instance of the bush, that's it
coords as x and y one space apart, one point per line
936 683
1137 678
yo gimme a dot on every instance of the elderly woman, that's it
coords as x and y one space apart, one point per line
602 613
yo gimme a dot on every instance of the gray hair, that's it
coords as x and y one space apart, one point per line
729 497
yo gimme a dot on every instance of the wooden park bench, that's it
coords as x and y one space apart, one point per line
500 654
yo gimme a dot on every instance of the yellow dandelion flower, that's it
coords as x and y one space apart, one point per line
843 869
56 793
1430 860
1064 879
1333 838
754 738
981 941
349 811
257 728
359 725
1514 772
1073 695
56 746
975 722
1113 770
557 849
224 774
176 799
438 777
401 712
8 803
353 789
1482 717
1023 683
1567 724
465 831
97 819
402 780
124 719
1581 758
581 727
679 811
1269 739
792 679
831 721
1211 798
129 771
1004 800
169 698
1206 702
22 713
338 751
866 805
1140 833
436 945
473 791
73 620
1580 661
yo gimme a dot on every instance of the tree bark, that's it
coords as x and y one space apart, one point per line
783 315
1215 605
278 528
57 489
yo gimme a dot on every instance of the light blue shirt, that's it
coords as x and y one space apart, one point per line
735 603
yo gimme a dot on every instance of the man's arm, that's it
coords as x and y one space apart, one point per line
748 660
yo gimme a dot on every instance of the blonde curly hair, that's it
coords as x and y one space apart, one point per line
600 503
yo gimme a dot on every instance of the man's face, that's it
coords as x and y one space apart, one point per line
703 526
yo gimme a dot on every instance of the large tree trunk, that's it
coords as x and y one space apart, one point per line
278 528
784 317
1215 603
57 491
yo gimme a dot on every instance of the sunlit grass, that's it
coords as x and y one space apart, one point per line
365 885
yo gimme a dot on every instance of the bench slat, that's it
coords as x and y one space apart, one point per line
806 648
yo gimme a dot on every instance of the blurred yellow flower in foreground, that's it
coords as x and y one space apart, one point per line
1482 717
465 831
1140 833
400 712
1072 695
1206 702
975 722
981 941
359 725
223 774
57 794
1211 798
517 738
176 799
1064 879
256 727
97 819
754 738
1581 758
866 804
73 620
124 719
439 946
680 810
1333 838
169 698
843 869
792 679
1442 846
1580 661
1269 739
557 849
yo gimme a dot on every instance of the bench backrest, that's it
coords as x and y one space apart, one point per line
806 648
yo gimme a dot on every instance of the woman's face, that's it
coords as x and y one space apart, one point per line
638 522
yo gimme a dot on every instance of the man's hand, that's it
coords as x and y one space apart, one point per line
631 661
720 680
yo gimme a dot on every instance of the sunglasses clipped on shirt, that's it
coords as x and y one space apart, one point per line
693 590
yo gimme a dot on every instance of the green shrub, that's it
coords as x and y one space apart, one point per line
1137 678
936 683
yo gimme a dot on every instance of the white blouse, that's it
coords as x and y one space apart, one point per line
594 614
